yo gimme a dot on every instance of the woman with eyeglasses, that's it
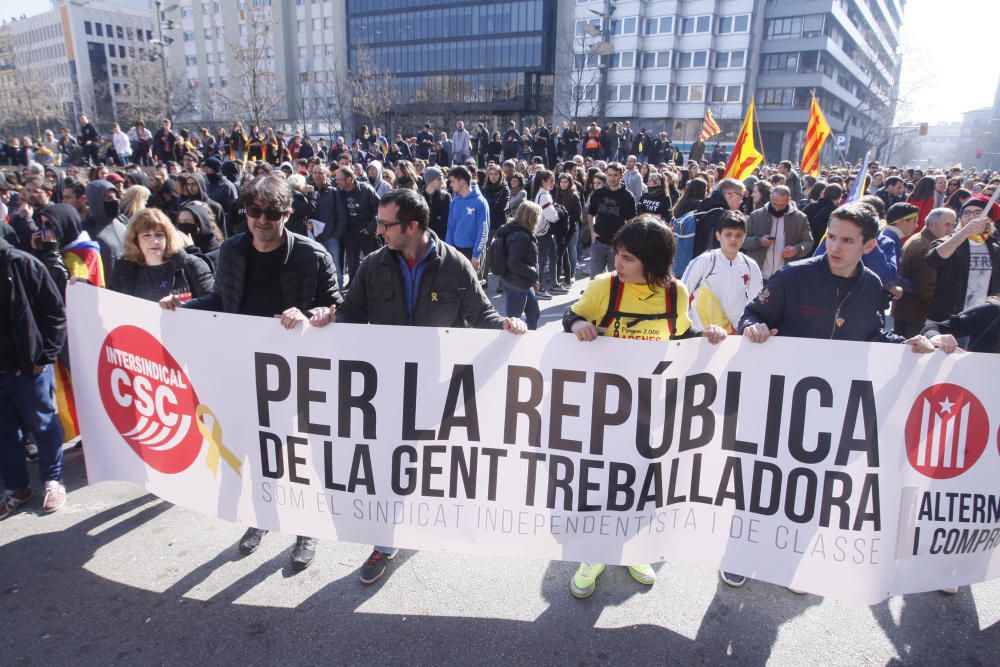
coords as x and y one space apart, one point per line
155 263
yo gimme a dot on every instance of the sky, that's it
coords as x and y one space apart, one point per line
949 55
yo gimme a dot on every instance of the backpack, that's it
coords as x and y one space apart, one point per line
614 313
684 230
496 254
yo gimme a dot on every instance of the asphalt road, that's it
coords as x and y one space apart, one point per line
120 577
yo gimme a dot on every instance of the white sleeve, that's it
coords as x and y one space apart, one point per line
693 275
548 210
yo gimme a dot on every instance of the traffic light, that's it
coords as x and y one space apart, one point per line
979 153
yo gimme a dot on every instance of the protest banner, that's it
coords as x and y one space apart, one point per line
850 470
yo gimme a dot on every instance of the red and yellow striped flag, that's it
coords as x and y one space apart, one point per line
745 155
817 132
709 128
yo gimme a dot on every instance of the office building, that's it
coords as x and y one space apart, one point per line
76 57
661 63
450 60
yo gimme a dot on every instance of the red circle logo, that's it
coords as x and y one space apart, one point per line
946 431
149 399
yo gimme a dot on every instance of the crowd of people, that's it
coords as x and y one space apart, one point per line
368 233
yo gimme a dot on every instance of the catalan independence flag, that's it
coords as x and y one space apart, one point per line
817 132
709 128
745 155
83 260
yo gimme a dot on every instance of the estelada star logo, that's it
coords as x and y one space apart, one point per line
946 431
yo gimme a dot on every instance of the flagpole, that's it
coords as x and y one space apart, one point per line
756 123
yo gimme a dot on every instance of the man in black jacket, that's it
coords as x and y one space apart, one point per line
90 140
832 296
357 209
220 190
271 272
416 279
32 333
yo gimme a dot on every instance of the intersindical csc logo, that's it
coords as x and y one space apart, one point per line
151 403
946 432
149 399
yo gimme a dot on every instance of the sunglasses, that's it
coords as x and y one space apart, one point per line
271 214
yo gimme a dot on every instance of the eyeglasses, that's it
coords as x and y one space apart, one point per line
271 214
384 224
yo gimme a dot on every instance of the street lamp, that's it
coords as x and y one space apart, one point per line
162 42
603 49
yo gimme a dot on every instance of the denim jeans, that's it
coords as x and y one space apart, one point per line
332 246
602 258
29 401
574 250
520 301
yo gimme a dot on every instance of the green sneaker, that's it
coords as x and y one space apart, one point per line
643 574
585 580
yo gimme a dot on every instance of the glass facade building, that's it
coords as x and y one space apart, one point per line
453 57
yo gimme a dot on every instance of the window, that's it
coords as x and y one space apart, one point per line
191 60
738 23
696 24
780 62
727 93
663 25
328 22
88 28
317 24
111 50
120 32
99 27
622 60
580 32
209 33
317 51
114 69
621 93
121 51
624 26
689 93
730 59
656 59
588 92
776 97
188 36
107 28
208 58
186 12
692 59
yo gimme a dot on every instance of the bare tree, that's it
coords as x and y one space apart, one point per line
34 94
576 94
254 91
371 88
327 105
147 95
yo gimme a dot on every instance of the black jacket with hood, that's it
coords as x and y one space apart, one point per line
37 313
107 230
206 245
521 254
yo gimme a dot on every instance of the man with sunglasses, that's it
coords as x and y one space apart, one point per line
416 279
271 272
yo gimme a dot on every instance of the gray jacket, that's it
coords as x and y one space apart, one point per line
797 233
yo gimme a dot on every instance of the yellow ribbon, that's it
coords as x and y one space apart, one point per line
216 449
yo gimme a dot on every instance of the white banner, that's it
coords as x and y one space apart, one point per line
850 470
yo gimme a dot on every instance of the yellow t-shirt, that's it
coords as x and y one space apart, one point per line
638 299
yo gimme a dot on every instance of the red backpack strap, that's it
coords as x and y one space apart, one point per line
614 301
